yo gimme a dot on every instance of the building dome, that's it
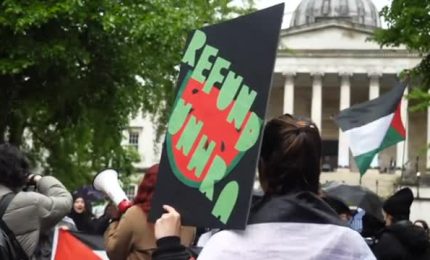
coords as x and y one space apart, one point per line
361 12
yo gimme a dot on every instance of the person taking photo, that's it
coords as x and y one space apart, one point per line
29 213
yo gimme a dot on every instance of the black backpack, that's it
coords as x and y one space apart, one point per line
9 246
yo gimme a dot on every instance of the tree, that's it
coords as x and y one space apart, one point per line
72 72
409 24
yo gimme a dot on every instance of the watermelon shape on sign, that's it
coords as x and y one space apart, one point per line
204 142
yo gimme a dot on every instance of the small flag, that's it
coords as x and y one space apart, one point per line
70 245
373 126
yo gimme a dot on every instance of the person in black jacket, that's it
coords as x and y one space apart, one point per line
401 240
83 218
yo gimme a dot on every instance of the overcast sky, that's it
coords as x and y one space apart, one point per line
291 5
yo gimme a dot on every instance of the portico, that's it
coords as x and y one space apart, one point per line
329 65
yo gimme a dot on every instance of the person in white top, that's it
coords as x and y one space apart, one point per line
290 221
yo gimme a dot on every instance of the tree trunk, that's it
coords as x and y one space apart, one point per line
16 129
5 107
8 94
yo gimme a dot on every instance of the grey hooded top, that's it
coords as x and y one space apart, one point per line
31 213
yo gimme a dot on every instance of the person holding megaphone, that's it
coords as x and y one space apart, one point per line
130 235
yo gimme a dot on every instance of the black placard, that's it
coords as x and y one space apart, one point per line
213 138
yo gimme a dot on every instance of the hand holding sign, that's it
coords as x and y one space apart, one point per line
169 224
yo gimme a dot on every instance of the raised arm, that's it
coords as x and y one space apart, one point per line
53 201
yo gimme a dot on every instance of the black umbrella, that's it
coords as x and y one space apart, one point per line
89 193
356 196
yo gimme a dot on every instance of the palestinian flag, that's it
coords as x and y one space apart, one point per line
71 245
373 126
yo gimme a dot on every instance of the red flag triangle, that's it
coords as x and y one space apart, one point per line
70 248
397 123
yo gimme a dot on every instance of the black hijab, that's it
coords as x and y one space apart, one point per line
83 221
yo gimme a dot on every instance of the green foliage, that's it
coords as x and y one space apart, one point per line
409 25
72 72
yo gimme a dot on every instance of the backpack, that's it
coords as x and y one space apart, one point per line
9 246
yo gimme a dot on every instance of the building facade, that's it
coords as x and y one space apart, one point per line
327 62
141 136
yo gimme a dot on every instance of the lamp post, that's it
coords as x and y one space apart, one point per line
418 184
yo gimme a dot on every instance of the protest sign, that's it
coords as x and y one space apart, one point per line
213 138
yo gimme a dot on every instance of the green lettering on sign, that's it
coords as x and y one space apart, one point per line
196 43
228 90
201 155
215 76
216 172
204 63
241 106
226 201
189 135
249 134
179 114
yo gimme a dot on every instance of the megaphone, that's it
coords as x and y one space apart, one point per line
107 182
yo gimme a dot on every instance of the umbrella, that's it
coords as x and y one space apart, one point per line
89 193
356 196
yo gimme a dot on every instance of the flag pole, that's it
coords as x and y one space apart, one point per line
402 170
403 158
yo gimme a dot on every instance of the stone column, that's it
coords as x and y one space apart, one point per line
316 108
344 100
374 93
374 85
289 93
402 148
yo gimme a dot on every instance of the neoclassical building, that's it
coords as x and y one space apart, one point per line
326 62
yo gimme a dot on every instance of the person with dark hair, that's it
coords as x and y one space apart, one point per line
132 236
291 221
84 219
372 226
342 210
30 213
401 239
369 226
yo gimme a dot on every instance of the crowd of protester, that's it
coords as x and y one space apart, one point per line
293 219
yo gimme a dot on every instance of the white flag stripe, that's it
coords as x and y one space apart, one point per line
368 137
101 254
54 243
